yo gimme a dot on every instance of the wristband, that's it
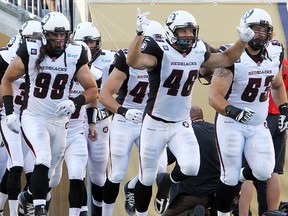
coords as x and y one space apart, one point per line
232 111
8 104
80 100
139 33
91 115
121 110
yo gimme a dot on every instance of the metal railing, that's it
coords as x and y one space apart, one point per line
39 8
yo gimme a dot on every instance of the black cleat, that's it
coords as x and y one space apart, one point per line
40 210
25 205
129 200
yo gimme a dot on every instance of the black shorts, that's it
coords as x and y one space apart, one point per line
279 141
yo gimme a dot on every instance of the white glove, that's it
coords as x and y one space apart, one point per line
245 115
13 123
65 108
134 115
141 20
245 34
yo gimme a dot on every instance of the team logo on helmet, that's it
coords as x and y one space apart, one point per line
170 19
248 14
45 19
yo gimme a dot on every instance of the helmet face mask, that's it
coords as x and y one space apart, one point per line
186 42
179 21
260 22
89 33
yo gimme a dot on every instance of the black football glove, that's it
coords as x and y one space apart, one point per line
240 115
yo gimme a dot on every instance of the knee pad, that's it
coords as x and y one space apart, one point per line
148 176
117 178
262 171
55 180
190 169
231 177
98 179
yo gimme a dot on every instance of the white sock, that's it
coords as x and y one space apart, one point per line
107 209
3 198
96 203
141 213
13 207
74 211
223 213
84 208
37 202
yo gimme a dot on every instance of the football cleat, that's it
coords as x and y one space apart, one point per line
25 205
40 210
129 200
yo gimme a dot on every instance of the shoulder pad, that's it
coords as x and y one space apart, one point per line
276 43
222 48
3 48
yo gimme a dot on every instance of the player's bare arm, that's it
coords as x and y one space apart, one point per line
112 85
15 70
85 78
220 84
226 58
139 60
233 53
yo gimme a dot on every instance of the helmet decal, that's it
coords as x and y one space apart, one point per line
45 19
170 19
247 15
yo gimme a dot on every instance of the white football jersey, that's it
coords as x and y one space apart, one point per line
49 84
8 54
252 81
103 62
172 81
133 92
